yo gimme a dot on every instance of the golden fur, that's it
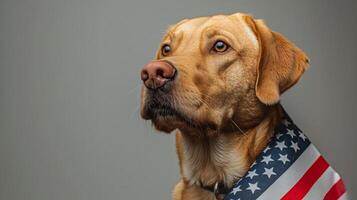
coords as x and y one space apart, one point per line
228 102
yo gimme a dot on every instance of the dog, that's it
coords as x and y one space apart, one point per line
217 81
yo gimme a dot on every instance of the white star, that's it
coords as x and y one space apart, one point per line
251 174
236 189
278 136
253 187
302 136
269 172
267 159
291 133
295 146
266 149
280 145
284 158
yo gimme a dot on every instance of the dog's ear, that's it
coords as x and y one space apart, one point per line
281 63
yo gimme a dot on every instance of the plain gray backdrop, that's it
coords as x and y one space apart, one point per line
69 92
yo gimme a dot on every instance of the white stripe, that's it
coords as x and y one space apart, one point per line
344 197
288 179
323 185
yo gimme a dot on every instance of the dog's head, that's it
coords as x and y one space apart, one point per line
218 73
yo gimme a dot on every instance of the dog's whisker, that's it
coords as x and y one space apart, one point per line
206 95
183 71
238 127
233 122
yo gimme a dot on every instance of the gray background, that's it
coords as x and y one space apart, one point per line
69 92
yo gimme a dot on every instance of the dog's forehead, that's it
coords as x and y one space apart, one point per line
234 23
200 23
189 26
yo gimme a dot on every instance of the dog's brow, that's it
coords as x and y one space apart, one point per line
211 32
170 32
170 35
216 31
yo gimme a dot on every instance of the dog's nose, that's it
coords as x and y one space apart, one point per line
156 74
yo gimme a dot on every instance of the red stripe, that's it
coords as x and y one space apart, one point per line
336 191
300 189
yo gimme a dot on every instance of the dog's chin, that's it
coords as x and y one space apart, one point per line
168 124
167 119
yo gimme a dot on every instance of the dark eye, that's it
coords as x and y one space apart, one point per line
165 50
220 46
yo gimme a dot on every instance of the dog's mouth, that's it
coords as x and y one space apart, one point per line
153 112
168 114
157 104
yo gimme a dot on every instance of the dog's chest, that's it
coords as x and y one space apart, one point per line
212 160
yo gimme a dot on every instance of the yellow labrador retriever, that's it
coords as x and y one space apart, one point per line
217 81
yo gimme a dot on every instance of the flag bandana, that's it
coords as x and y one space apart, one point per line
290 167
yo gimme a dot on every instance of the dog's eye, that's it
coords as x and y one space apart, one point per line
220 46
165 50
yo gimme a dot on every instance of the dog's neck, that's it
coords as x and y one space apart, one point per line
224 157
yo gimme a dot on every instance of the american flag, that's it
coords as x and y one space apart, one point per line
290 167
